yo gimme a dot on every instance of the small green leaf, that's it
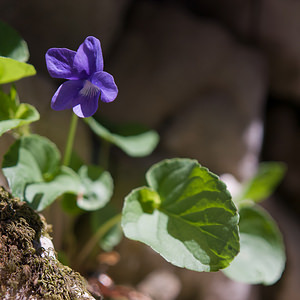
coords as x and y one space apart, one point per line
186 215
69 204
32 168
97 188
13 114
138 144
262 256
25 114
114 235
263 184
12 45
13 70
41 194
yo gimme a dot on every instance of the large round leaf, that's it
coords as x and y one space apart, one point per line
186 214
262 256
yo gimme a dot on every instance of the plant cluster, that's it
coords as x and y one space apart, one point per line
185 213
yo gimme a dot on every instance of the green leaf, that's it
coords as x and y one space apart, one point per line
41 194
13 114
114 235
13 70
262 256
12 45
32 168
97 188
138 144
262 185
186 214
69 204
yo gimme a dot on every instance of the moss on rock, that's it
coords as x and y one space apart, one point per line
27 271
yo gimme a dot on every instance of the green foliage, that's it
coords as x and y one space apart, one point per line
33 170
12 45
186 214
13 70
13 114
97 186
262 256
264 182
114 235
141 143
13 55
69 204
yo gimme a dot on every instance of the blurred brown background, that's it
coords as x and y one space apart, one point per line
220 82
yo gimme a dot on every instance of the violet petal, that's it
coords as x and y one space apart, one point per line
107 85
87 107
60 63
88 58
67 95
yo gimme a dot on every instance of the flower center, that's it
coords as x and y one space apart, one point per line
89 90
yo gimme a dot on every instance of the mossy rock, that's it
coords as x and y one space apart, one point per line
27 270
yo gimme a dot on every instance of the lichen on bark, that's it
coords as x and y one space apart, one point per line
27 270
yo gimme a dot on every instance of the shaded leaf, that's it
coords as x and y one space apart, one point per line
186 214
69 204
12 45
114 235
139 144
262 256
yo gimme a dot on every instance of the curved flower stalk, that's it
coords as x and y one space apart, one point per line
86 79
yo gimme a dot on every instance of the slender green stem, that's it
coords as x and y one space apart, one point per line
70 141
90 245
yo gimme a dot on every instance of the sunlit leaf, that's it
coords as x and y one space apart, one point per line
13 114
263 184
41 194
186 214
12 70
32 168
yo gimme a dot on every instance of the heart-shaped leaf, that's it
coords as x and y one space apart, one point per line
32 168
12 45
13 114
12 70
186 214
97 188
262 256
138 144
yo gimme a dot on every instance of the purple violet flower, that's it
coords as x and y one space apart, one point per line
87 80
